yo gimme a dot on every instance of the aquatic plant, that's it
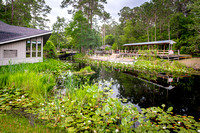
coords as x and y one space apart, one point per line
155 66
83 107
38 78
92 110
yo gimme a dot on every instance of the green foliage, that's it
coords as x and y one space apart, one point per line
37 79
58 36
86 69
178 21
157 119
49 50
11 123
151 65
25 13
83 107
109 39
83 37
38 85
90 109
107 48
90 9
114 46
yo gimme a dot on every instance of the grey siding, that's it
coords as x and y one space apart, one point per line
20 46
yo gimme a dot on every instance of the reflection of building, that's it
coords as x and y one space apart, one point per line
20 44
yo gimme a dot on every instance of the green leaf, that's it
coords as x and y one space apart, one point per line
69 119
169 109
71 129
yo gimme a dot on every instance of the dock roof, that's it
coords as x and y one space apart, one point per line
151 43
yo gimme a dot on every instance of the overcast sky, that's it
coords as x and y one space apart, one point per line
112 6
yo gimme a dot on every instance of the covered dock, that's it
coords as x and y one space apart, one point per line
161 49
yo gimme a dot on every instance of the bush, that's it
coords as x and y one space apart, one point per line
107 48
114 46
49 50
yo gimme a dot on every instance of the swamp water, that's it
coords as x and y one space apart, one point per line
145 90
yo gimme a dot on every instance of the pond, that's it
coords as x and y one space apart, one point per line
145 90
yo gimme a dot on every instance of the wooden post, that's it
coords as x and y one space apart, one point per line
178 54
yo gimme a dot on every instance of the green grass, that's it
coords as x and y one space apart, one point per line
16 124
38 78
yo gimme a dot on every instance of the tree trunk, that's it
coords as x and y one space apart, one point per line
104 34
91 12
12 14
155 26
6 7
148 33
152 34
160 30
168 30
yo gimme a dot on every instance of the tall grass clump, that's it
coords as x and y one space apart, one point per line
37 79
36 84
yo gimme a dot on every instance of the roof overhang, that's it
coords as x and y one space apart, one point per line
151 43
46 35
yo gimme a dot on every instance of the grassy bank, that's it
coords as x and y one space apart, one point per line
18 124
151 65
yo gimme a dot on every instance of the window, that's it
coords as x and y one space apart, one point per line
28 48
10 53
33 48
39 48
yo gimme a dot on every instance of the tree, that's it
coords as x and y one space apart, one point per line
39 14
109 39
58 36
26 13
90 8
84 37
126 13
114 46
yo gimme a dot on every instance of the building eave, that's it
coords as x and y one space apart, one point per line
27 37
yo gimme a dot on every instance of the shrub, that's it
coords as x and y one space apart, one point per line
49 50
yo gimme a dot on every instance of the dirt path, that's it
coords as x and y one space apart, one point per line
193 62
103 58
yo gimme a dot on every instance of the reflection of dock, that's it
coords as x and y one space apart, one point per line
169 79
151 82
163 75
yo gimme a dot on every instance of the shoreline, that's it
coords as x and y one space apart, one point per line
189 63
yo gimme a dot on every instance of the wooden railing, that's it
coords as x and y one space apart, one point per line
158 52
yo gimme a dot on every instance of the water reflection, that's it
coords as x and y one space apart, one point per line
146 91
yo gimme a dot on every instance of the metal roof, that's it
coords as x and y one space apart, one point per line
151 43
10 33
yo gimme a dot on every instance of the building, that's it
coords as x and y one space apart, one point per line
21 45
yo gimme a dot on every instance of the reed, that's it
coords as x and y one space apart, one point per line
38 78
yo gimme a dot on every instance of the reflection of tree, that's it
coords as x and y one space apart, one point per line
187 96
